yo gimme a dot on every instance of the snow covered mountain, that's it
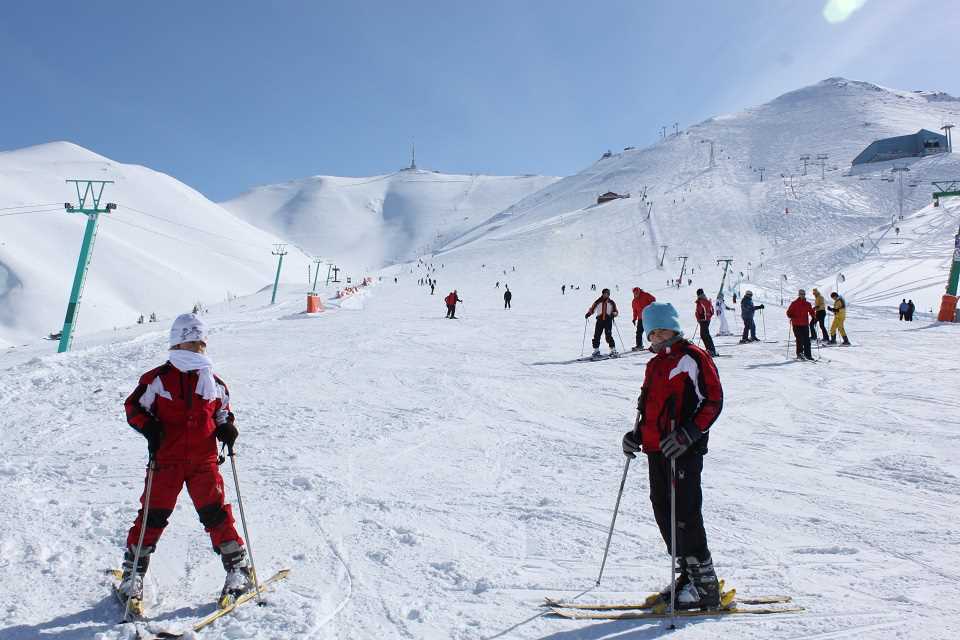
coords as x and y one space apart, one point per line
803 220
163 249
375 221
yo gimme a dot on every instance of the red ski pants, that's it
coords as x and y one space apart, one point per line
205 486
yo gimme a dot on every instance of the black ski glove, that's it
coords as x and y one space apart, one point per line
153 432
679 440
227 434
631 446
759 307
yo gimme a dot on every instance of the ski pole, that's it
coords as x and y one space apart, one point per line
616 508
763 319
673 541
143 529
623 345
583 343
243 521
789 331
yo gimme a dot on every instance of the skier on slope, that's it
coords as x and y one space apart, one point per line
183 409
747 310
452 299
507 297
904 310
640 301
910 309
820 309
680 399
721 308
704 313
839 311
801 314
606 311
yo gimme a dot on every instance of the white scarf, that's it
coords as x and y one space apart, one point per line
203 365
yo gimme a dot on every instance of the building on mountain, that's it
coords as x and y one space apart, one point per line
609 196
917 145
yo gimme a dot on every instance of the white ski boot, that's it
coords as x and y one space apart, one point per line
614 353
596 353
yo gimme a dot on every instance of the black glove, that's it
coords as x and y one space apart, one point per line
586 315
634 323
832 310
759 307
227 434
153 432
679 440
631 446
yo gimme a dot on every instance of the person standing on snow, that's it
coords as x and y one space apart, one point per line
563 289
839 311
452 299
704 313
721 310
910 309
182 409
801 316
507 297
606 311
640 301
820 309
747 310
680 399
904 310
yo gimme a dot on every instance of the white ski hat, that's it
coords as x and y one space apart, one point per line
188 328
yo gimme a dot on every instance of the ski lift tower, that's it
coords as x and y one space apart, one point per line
726 265
900 171
683 269
92 193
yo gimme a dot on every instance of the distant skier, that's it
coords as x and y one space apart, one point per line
910 309
507 297
839 311
563 289
182 409
820 309
704 313
452 299
498 284
640 301
721 308
680 399
606 310
747 311
904 310
801 314
433 285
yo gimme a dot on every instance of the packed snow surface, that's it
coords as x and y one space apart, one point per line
433 478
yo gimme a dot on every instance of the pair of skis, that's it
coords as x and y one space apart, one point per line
653 609
223 607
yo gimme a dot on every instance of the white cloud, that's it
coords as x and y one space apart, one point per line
839 10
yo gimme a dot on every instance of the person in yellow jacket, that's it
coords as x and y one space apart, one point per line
820 309
839 310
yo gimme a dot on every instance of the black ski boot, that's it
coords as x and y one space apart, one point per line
662 599
846 342
131 582
703 589
239 578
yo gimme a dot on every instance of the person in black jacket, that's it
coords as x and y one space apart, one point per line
507 297
606 310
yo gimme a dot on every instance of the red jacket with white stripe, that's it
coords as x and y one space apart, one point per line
704 311
605 309
168 396
640 303
681 386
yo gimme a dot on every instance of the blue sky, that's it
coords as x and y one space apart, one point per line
228 95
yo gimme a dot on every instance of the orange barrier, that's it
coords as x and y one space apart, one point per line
948 308
313 303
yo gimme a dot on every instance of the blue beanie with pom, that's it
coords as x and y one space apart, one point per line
660 315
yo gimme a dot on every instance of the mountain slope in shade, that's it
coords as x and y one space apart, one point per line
163 249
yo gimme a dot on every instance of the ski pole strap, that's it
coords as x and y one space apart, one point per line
220 458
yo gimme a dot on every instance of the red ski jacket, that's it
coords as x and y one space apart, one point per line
168 396
604 309
640 303
681 386
704 310
801 312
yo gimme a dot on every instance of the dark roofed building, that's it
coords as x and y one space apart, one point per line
610 196
922 143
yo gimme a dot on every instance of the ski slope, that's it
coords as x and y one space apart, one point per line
165 248
805 224
371 222
432 478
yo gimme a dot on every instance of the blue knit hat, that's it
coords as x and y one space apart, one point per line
660 315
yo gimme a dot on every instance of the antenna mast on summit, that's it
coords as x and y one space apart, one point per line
413 155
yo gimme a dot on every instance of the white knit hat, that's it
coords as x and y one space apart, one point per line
188 328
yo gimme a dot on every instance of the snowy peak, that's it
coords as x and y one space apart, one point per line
54 152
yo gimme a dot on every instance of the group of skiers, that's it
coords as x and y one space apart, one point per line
805 317
906 310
